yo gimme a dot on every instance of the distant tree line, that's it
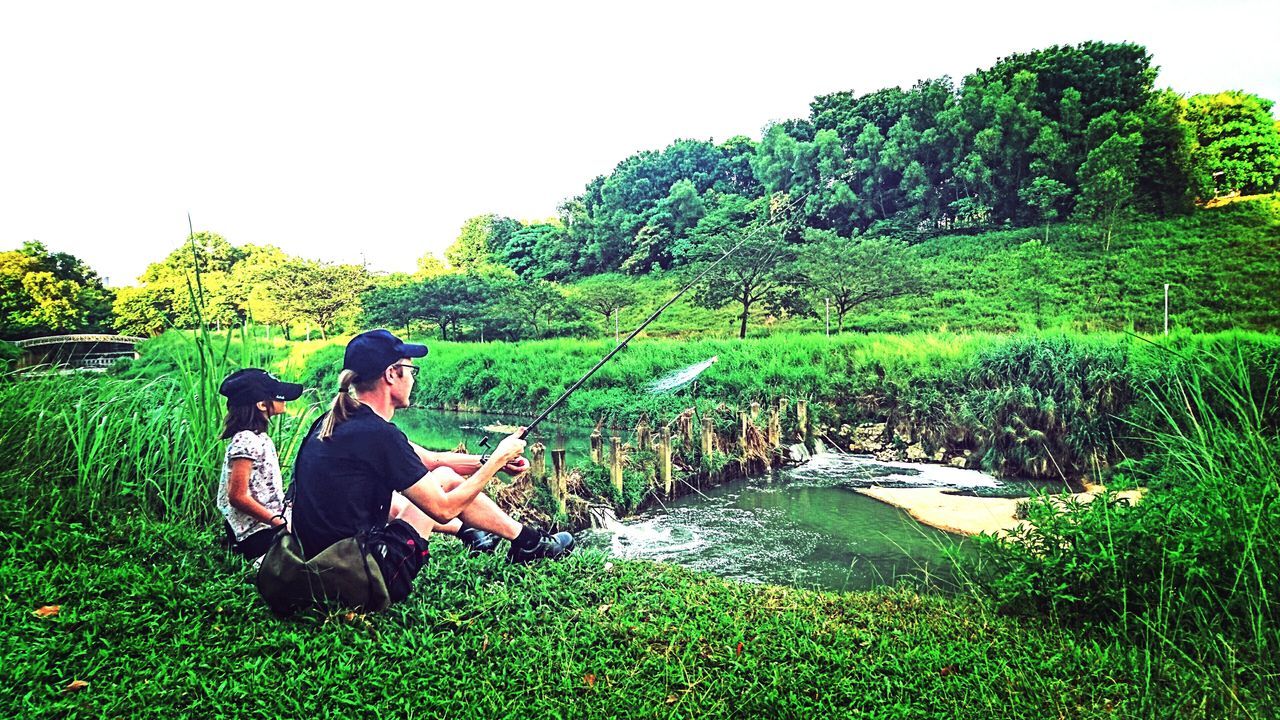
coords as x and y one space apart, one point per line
1066 131
44 293
820 212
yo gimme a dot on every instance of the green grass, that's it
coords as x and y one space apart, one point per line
162 624
1168 614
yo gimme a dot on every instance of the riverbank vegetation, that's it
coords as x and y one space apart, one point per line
1048 405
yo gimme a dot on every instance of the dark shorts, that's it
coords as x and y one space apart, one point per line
400 553
254 545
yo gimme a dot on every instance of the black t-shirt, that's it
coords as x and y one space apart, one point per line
342 486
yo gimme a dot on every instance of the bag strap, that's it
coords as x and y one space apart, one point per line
362 540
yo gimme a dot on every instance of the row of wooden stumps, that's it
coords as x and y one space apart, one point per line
558 481
750 457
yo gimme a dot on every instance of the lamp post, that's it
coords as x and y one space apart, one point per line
1166 308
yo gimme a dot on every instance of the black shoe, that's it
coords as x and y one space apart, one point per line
478 541
554 547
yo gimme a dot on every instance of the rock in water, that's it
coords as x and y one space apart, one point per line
799 453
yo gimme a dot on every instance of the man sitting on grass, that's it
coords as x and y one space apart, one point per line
356 472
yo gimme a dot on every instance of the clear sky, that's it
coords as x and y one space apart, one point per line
342 131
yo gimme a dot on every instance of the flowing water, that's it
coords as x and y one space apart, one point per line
805 526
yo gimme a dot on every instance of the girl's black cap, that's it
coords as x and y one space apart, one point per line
252 385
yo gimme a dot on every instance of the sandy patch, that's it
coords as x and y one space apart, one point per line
965 514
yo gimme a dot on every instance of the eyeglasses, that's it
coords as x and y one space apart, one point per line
413 369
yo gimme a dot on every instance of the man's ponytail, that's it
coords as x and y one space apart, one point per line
343 405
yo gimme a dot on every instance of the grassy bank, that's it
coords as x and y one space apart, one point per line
161 624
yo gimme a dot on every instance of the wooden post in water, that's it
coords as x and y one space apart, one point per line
597 447
802 417
615 464
538 462
642 435
559 484
775 428
708 437
664 461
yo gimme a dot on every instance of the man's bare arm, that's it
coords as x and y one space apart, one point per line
463 463
443 505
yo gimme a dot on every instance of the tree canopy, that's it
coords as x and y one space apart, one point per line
43 293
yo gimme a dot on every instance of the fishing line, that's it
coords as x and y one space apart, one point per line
680 378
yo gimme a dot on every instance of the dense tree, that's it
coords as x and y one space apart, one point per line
319 294
1239 143
42 292
1169 179
608 220
752 261
447 301
471 249
538 302
247 289
194 285
388 302
430 265
203 252
850 272
1107 181
539 251
141 311
1045 196
605 295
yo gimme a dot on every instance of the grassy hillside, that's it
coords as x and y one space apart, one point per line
1221 265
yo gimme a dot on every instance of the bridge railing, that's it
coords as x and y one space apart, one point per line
81 338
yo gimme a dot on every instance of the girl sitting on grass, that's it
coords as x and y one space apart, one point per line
251 494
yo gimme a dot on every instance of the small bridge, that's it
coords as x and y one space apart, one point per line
81 351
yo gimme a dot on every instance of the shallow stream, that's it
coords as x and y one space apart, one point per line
805 526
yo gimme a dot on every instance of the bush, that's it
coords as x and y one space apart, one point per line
1193 565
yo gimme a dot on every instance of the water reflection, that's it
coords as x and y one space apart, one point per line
438 430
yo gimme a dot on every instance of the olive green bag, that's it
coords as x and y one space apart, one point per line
344 573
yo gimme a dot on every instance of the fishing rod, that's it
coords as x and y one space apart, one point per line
787 207
618 348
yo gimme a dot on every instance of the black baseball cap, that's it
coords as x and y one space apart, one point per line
369 353
252 385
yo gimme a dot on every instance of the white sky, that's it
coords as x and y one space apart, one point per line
342 130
